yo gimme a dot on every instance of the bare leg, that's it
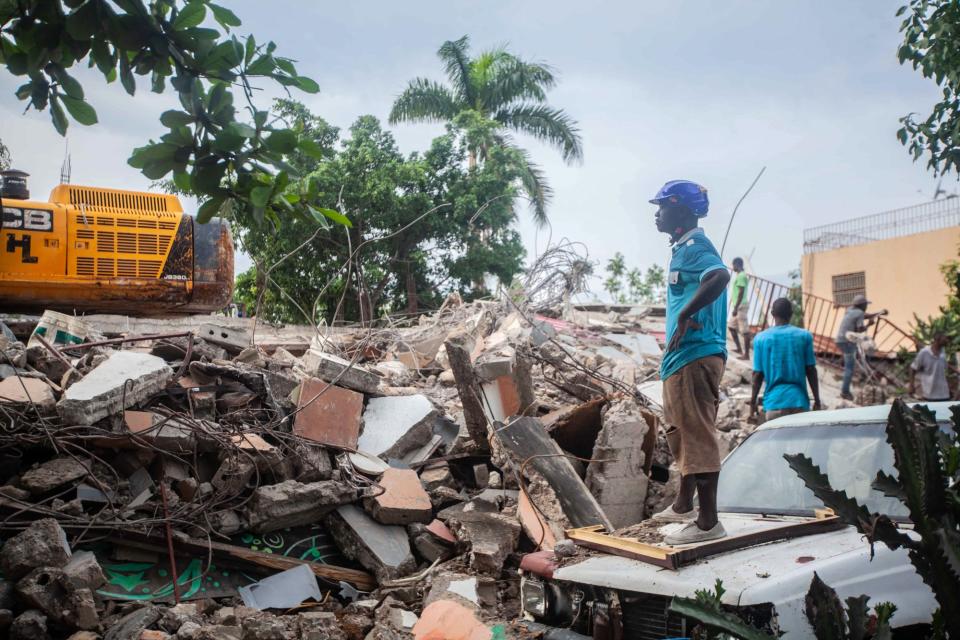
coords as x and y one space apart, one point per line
707 493
684 499
746 346
736 339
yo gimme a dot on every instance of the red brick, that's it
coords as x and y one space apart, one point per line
139 421
333 418
442 531
403 500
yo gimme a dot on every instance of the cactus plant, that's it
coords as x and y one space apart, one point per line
827 616
927 461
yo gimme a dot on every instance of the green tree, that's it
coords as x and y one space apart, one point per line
507 93
931 31
232 158
423 225
634 286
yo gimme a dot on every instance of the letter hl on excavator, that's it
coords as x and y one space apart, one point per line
104 250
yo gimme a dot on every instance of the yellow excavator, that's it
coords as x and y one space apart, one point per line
90 249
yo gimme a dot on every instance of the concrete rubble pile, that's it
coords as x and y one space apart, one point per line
378 483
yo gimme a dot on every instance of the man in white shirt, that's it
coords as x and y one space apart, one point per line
930 367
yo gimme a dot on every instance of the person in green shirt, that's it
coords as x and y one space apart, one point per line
740 310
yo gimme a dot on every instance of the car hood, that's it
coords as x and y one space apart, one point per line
739 570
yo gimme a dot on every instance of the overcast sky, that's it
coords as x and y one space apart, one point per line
707 91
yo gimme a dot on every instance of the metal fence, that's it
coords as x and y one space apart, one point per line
821 317
929 216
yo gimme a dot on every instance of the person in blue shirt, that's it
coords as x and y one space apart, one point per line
694 359
783 358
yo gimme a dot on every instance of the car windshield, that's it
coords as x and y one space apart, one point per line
756 479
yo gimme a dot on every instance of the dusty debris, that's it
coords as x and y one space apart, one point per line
395 476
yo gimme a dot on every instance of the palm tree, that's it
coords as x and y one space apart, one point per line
502 88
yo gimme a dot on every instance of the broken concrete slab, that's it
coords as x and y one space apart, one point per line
292 503
526 439
132 625
382 549
341 372
319 625
232 339
83 571
617 479
436 475
429 545
397 425
53 474
328 414
161 431
124 379
312 463
282 590
491 535
24 390
233 474
457 349
403 500
29 625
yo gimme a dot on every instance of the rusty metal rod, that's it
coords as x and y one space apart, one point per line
103 343
56 354
166 523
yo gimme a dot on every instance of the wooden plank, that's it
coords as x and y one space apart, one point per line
786 532
673 557
593 538
360 579
527 440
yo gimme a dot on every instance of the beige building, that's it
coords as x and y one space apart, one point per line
893 258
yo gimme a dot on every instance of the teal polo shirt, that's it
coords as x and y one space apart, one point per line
693 257
782 354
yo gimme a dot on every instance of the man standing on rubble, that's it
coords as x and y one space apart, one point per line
740 310
930 366
855 320
783 358
694 359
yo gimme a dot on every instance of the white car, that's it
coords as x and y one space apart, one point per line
611 596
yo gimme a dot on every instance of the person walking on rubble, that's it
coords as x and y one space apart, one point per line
855 320
783 358
694 359
740 310
930 366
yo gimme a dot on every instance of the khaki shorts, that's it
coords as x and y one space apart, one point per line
739 319
690 400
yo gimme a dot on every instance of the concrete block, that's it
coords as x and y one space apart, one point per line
43 589
436 476
503 398
232 339
23 390
53 474
381 549
162 432
124 379
292 503
232 476
620 485
319 625
132 625
396 425
340 372
312 463
328 414
83 571
29 625
491 535
403 501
